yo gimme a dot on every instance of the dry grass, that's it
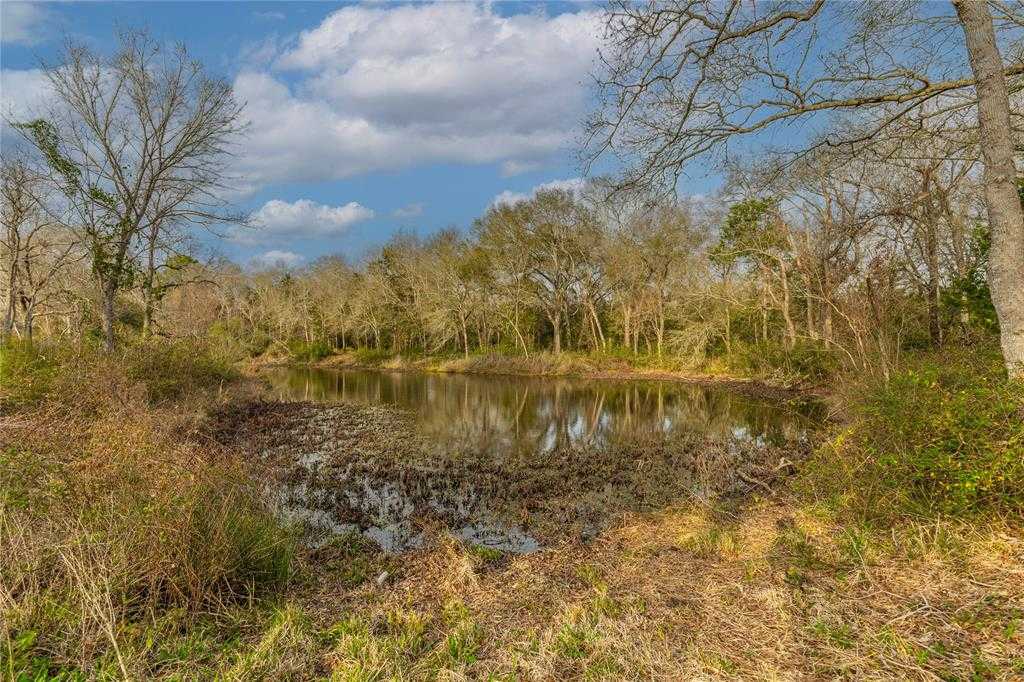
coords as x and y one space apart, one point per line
126 557
775 592
115 509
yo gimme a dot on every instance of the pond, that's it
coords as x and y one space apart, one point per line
510 415
513 462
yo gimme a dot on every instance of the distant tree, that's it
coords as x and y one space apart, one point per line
755 232
662 241
34 248
551 230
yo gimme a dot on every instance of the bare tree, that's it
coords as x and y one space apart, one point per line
685 78
35 247
551 229
140 142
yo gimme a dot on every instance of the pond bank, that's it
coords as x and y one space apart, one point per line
550 365
754 582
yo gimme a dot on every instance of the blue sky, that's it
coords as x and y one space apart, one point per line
366 119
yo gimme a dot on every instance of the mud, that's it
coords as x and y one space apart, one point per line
338 468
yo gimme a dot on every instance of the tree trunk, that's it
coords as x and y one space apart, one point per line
519 336
1005 215
8 327
556 328
28 323
728 332
929 223
148 287
599 340
764 313
625 326
787 315
147 315
108 292
934 321
660 330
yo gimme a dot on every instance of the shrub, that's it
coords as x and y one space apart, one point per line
25 373
228 340
170 369
85 379
806 360
304 351
370 356
945 435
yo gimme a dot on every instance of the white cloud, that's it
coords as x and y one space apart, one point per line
23 23
574 185
303 218
410 211
259 54
387 87
512 167
278 259
25 93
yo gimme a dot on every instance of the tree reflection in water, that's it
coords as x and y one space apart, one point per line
505 416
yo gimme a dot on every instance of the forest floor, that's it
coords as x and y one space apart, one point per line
139 555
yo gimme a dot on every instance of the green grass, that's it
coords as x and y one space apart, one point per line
403 642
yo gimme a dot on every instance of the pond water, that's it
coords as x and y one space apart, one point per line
521 420
501 415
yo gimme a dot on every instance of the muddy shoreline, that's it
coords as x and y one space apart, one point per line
336 468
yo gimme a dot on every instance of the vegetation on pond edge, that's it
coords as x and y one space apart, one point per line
142 551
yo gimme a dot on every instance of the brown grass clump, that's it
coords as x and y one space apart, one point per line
114 510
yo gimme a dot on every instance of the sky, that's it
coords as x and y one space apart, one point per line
365 119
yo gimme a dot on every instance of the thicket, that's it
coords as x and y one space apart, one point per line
944 436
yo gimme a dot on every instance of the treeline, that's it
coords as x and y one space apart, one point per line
850 264
842 256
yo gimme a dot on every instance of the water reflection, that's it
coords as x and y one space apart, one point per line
507 416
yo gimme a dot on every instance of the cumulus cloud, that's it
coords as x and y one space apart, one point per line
24 23
410 211
375 88
278 219
277 259
574 185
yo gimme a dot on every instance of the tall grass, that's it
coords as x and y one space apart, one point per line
115 509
